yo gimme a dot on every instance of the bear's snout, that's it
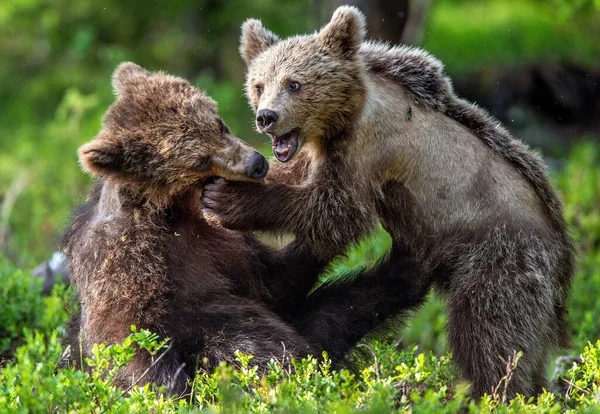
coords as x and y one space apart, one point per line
265 119
258 166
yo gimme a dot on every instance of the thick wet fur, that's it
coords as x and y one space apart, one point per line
140 252
382 136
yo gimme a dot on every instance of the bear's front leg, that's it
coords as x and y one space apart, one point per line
326 217
241 205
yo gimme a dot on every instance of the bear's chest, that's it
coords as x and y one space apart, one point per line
215 260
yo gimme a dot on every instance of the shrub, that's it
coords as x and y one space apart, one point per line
23 307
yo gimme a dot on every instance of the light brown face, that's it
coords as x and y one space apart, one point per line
306 87
163 132
297 90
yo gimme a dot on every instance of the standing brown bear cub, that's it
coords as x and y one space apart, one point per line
371 132
140 252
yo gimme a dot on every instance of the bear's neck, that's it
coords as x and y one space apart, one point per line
117 198
342 127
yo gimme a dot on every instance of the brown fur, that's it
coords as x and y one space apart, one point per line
141 254
472 203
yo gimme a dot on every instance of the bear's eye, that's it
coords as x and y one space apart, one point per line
259 89
294 86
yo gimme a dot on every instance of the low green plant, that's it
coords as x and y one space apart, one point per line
35 382
391 380
22 307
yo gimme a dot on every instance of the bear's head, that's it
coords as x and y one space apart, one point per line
305 88
162 135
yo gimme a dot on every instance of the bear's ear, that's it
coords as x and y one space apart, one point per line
255 39
101 156
125 73
345 32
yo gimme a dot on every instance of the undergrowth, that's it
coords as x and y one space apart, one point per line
408 370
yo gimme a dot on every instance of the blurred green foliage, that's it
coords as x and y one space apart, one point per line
57 58
468 35
58 55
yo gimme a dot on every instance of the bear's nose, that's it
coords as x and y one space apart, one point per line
258 166
265 118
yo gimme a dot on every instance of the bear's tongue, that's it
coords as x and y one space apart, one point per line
285 146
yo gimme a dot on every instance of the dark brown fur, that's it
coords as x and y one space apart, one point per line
472 203
140 252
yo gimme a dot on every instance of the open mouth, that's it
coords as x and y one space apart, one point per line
286 145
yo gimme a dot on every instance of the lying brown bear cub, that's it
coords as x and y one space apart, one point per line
141 253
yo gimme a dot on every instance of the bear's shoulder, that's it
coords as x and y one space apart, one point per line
420 73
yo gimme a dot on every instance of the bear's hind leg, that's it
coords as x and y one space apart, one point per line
337 316
240 324
495 311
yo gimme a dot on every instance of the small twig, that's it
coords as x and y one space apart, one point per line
511 366
277 362
194 383
576 386
152 365
376 361
140 378
282 362
18 184
283 356
172 382
80 337
289 370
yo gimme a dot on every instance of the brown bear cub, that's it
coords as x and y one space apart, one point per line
140 252
372 132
